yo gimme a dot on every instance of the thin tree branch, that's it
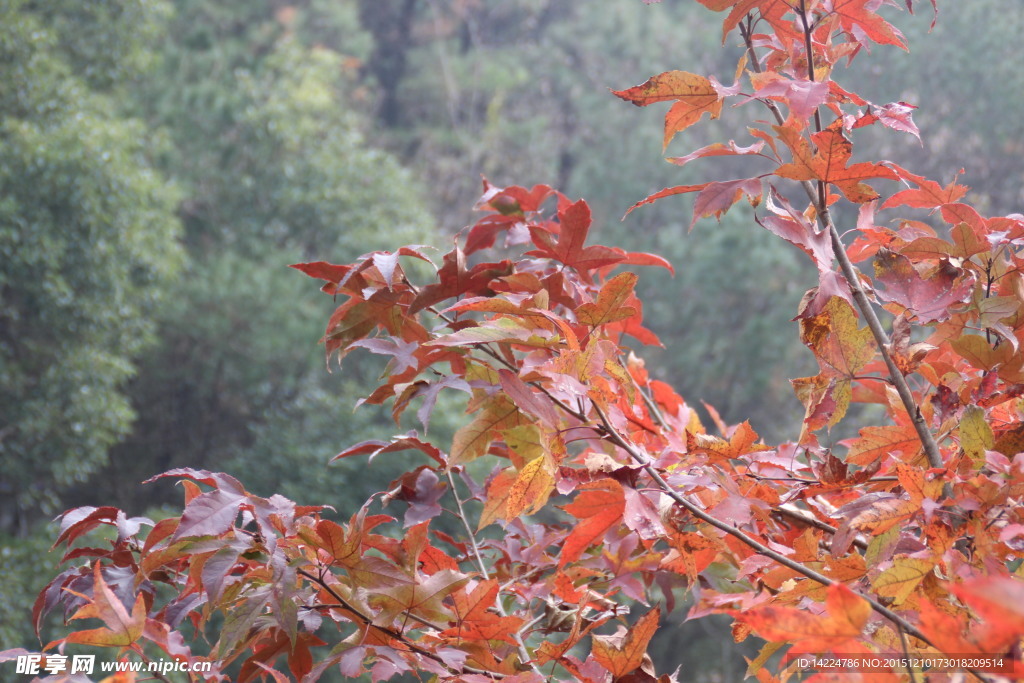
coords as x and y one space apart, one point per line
397 635
614 437
816 194
524 654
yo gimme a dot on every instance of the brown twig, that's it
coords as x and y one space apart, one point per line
614 437
397 635
816 193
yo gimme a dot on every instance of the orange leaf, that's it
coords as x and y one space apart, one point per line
845 617
667 192
879 442
599 507
860 17
692 553
531 488
609 306
694 96
928 195
900 580
121 629
882 514
841 346
623 655
475 620
828 163
740 443
999 603
472 440
497 498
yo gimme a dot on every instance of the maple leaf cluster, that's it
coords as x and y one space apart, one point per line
608 489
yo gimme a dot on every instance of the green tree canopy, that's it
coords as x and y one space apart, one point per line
87 242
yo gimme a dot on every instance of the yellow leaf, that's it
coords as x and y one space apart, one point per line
841 346
472 440
694 96
525 443
531 488
900 580
756 664
975 434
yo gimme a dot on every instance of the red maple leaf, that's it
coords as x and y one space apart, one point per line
828 162
599 507
568 248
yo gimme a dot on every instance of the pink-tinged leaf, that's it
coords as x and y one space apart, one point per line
421 489
276 675
455 279
793 227
401 352
485 232
217 480
13 654
930 295
718 150
862 21
513 200
209 514
642 516
667 192
895 115
216 569
430 394
386 263
406 442
717 198
928 195
78 521
527 400
802 97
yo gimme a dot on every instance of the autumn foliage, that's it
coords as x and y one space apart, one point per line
590 494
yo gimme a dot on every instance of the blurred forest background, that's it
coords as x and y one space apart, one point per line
162 161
